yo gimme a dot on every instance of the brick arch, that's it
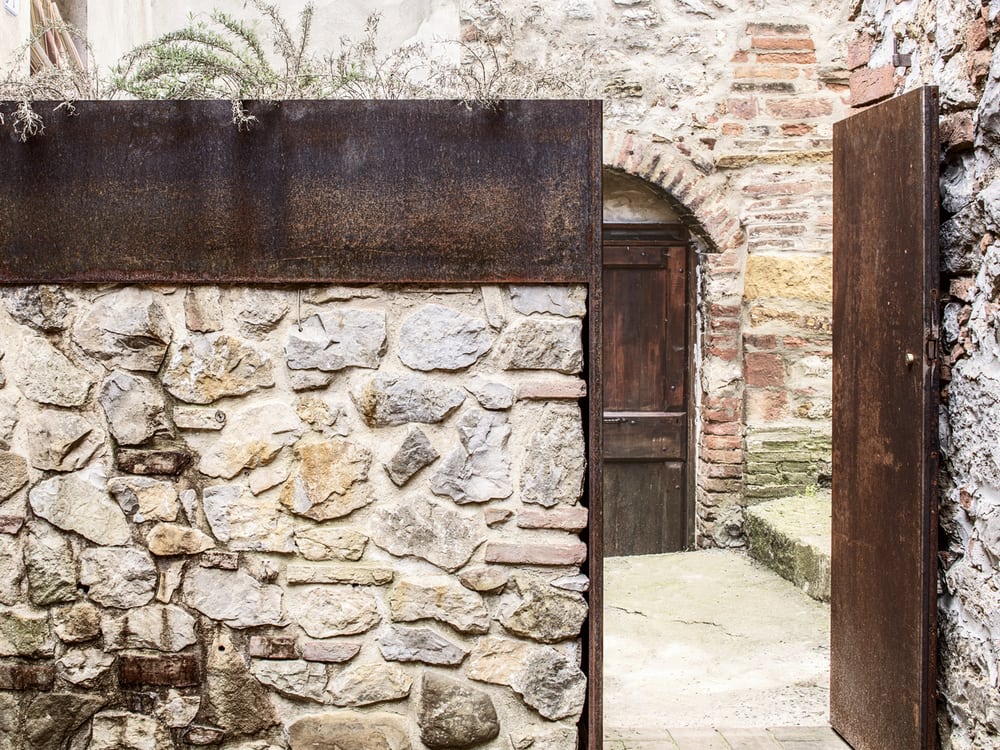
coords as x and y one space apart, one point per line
689 190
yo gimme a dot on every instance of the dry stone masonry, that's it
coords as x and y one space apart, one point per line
263 519
952 44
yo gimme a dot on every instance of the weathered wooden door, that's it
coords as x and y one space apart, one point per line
885 391
646 356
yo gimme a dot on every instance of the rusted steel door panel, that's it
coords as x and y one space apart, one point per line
885 390
646 366
347 191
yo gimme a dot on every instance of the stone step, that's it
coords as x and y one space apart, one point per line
791 536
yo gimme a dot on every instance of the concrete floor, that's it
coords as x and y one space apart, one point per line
709 649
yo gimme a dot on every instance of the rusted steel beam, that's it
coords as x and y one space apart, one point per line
344 191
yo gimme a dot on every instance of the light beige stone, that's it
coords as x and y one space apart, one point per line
330 480
252 437
167 539
203 369
126 328
62 441
328 611
799 277
438 598
147 499
46 375
350 730
120 577
366 684
355 575
156 626
79 502
84 666
245 521
233 597
117 730
330 543
76 623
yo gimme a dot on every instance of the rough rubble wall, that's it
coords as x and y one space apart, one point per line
950 43
727 108
265 516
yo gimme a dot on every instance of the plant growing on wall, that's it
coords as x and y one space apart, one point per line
219 56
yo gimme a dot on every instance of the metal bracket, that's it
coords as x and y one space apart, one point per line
899 60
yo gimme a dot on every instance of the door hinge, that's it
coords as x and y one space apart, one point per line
932 349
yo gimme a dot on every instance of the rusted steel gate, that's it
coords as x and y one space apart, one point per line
332 191
648 507
885 411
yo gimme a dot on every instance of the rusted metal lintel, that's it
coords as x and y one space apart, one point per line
339 191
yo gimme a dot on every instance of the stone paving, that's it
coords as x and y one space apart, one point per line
709 650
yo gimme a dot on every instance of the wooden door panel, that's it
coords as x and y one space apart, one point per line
642 501
645 435
885 389
646 368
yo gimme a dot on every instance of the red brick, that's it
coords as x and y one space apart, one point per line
565 518
760 341
720 485
166 670
26 676
869 85
790 58
725 311
859 52
722 442
763 369
722 457
766 406
721 428
506 553
782 43
724 353
732 128
724 471
741 57
778 188
770 72
799 108
742 107
731 403
800 128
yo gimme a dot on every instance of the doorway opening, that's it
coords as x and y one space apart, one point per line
701 646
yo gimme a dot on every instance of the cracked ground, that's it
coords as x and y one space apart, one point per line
709 639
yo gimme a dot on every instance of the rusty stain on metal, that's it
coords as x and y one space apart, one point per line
885 425
345 191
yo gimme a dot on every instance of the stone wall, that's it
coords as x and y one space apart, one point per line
249 518
951 43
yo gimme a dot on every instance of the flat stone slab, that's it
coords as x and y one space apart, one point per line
791 536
